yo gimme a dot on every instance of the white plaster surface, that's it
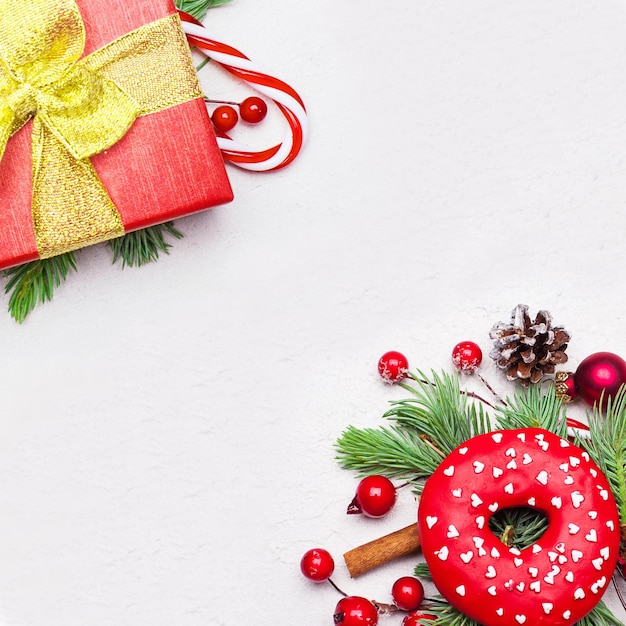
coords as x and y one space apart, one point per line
166 442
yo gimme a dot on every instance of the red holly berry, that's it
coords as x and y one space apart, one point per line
467 356
375 496
224 118
407 592
418 617
253 110
355 611
393 366
317 565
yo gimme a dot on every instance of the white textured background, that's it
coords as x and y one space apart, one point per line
166 436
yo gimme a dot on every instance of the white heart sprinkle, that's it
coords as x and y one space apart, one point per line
560 547
518 562
535 586
533 571
466 557
480 522
537 548
567 614
521 436
544 445
549 578
508 488
463 450
547 607
579 594
511 452
478 541
569 480
585 456
493 507
556 502
577 499
610 525
593 514
512 465
476 501
542 477
540 437
443 553
564 467
514 551
592 536
520 619
564 444
497 437
569 577
593 472
605 553
497 472
598 563
527 459
594 588
492 590
478 467
431 520
602 582
494 553
457 493
574 461
562 559
520 586
552 556
491 572
573 528
577 555
461 590
500 612
532 501
604 494
509 584
449 471
452 532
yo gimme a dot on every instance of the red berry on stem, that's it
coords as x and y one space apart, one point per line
393 366
407 592
224 118
355 611
375 497
467 356
253 110
317 565
418 617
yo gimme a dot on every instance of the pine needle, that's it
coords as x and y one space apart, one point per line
143 246
198 8
34 282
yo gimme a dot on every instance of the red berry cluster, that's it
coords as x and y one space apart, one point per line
225 117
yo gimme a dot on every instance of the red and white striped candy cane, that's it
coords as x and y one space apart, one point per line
287 100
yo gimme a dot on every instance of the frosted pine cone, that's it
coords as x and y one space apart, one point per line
527 350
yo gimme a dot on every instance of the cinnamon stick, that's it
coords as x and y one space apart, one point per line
379 551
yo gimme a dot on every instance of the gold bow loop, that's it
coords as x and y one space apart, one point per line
81 107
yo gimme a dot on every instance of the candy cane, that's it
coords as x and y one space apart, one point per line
285 97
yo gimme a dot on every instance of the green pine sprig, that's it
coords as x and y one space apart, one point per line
198 8
143 246
33 283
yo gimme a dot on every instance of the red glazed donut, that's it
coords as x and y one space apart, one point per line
558 579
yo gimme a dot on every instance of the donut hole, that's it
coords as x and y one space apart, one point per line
518 527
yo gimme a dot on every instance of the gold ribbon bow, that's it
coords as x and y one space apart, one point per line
80 107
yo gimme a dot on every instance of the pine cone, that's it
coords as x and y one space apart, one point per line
527 350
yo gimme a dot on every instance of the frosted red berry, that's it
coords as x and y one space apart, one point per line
253 110
317 565
467 356
355 611
407 593
393 366
224 118
375 497
417 617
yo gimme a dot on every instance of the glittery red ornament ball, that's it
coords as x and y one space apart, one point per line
393 366
600 373
467 356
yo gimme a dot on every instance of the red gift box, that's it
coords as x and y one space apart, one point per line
166 166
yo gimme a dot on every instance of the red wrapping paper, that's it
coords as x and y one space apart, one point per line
168 164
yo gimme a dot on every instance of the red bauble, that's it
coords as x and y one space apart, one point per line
375 497
224 118
407 592
418 617
355 611
467 356
253 110
317 565
393 366
600 373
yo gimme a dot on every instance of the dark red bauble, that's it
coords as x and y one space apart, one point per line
467 356
355 611
375 496
418 617
600 373
393 366
407 592
317 565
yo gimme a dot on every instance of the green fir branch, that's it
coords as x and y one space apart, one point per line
422 571
198 8
600 615
35 282
143 246
392 452
439 411
536 407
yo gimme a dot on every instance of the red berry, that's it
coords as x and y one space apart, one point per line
467 356
355 611
393 366
375 496
407 593
317 565
224 118
253 110
418 617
